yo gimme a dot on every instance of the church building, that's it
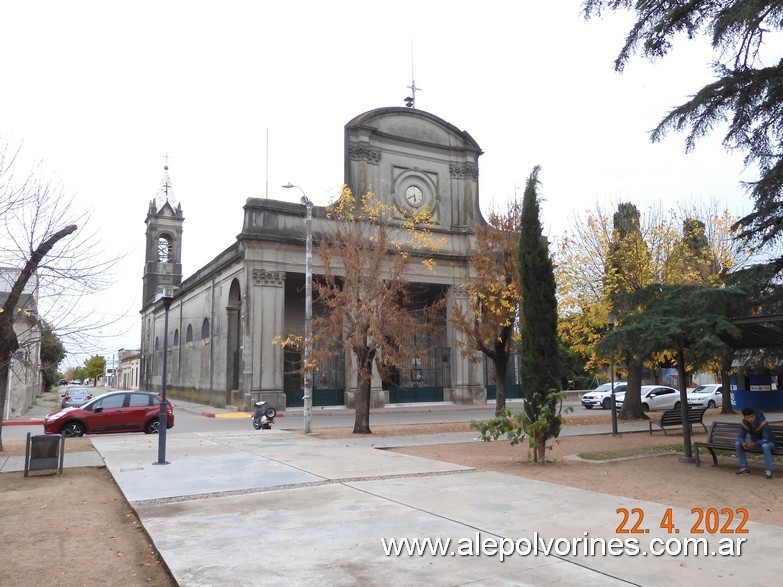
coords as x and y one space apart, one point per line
223 319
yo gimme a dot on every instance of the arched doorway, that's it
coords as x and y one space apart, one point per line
233 335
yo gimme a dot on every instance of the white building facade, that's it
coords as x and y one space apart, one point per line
24 373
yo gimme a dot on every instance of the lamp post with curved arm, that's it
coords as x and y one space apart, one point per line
308 375
165 297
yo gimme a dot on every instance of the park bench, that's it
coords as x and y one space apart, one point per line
673 419
724 435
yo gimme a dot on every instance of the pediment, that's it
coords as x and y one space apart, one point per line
412 125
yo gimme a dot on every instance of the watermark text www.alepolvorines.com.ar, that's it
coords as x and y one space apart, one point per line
586 545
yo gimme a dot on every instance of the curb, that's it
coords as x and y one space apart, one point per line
34 422
236 415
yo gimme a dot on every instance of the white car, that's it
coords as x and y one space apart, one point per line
656 397
601 396
706 396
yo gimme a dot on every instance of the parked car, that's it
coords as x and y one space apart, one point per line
116 411
601 396
655 397
706 396
75 397
63 382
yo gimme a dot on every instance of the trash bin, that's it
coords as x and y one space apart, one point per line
44 451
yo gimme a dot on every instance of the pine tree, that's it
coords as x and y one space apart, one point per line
539 356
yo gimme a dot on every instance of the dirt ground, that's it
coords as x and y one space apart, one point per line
72 528
78 526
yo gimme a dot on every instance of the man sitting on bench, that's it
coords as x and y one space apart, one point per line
754 424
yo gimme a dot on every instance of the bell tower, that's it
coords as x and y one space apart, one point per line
163 263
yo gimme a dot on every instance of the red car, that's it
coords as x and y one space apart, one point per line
117 411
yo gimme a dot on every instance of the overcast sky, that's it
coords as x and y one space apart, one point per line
102 91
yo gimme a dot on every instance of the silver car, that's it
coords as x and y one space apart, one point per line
706 396
75 397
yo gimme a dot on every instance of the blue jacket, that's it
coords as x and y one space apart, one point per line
758 431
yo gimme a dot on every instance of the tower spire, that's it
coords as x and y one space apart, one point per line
166 191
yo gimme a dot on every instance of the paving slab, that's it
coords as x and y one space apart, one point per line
281 508
328 535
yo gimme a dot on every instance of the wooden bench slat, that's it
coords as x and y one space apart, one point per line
673 419
724 435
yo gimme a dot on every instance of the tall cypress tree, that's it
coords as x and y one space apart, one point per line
540 366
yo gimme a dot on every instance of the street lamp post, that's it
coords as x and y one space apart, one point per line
308 374
610 322
163 419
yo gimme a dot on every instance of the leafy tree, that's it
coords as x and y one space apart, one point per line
604 258
364 294
539 356
692 322
52 354
94 367
630 268
75 373
745 92
492 294
574 372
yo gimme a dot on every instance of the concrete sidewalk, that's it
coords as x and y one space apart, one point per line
275 507
281 508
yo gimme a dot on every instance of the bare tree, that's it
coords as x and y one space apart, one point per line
365 296
49 262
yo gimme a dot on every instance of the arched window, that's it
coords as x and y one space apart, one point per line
205 328
156 343
189 334
164 248
176 337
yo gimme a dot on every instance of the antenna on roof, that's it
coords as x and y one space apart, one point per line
410 102
266 192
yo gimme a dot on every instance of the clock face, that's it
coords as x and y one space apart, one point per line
414 196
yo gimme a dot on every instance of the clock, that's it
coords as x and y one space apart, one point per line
414 196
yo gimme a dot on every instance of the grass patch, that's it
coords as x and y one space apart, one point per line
608 455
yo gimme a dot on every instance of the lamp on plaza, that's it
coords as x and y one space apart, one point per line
308 375
165 297
610 320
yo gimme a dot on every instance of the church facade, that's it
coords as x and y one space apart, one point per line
222 320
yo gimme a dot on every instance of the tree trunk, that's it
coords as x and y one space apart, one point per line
3 386
686 427
501 368
361 423
539 453
8 345
632 404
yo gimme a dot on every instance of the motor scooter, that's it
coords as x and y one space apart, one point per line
263 415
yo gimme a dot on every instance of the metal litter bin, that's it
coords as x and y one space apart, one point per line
44 451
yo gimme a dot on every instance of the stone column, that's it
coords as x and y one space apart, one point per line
468 376
266 322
